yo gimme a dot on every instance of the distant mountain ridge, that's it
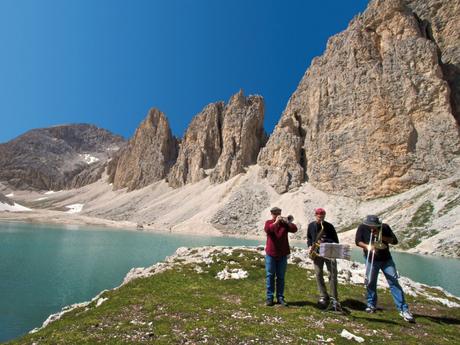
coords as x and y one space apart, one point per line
64 156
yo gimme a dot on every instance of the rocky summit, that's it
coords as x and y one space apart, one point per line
58 157
375 114
221 141
148 156
242 136
200 148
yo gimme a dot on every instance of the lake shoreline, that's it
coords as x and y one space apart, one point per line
55 218
69 220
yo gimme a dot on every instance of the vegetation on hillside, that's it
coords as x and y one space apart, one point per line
188 305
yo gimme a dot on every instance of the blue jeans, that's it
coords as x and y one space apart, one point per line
389 270
275 267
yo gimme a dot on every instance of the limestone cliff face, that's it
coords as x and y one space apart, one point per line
200 148
372 116
148 156
242 136
225 138
440 22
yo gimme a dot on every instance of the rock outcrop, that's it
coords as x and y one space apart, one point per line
373 116
242 136
200 148
149 155
87 175
221 141
53 158
5 200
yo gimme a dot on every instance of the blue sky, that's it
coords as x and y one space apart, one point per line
107 62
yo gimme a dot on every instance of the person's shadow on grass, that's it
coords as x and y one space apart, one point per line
304 304
354 304
439 319
324 308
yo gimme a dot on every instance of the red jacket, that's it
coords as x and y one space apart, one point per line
277 238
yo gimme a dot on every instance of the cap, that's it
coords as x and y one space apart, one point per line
372 220
320 210
275 210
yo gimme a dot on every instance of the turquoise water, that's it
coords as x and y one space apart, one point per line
43 268
435 271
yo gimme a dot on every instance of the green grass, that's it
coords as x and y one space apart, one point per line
416 232
402 205
181 306
422 216
412 238
449 206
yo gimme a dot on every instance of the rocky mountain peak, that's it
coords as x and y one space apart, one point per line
373 115
225 138
149 155
238 99
200 148
242 136
155 121
59 157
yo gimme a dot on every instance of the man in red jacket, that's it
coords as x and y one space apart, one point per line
277 250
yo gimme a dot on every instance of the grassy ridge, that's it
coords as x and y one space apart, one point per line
182 306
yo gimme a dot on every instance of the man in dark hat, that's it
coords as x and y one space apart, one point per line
322 231
374 237
276 250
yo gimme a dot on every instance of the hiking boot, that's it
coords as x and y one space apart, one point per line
269 302
323 302
282 302
407 316
370 309
335 306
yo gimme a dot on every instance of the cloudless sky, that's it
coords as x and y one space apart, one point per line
107 62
